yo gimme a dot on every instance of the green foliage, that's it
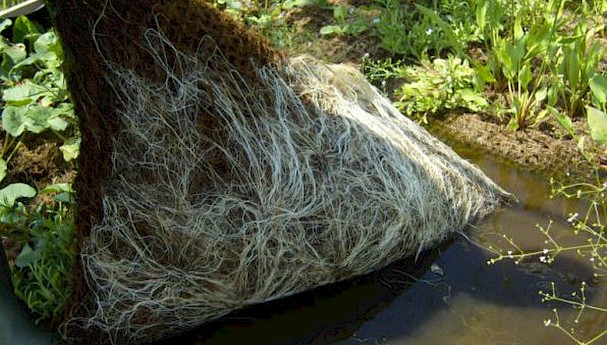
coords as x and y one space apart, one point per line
427 29
33 89
35 100
346 22
597 122
431 87
14 191
42 272
267 16
443 84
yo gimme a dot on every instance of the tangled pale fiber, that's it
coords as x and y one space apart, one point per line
313 177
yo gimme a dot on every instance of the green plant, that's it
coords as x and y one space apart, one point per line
433 87
597 114
268 17
42 272
578 59
520 60
346 22
33 90
426 29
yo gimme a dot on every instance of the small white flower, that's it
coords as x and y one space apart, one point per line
573 217
547 322
543 259
545 251
375 20
429 31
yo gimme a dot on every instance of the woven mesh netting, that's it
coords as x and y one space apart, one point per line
224 183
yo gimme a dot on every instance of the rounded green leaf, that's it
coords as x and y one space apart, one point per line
5 23
27 257
597 121
70 149
47 42
598 85
14 191
58 188
37 119
13 120
24 29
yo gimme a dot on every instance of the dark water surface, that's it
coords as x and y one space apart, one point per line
449 296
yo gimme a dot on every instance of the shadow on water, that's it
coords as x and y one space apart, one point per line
319 316
449 296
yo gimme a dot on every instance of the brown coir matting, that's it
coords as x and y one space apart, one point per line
96 33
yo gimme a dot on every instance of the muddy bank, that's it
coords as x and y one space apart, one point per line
545 150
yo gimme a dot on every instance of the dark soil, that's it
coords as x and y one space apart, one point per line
545 150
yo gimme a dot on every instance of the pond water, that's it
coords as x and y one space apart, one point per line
449 296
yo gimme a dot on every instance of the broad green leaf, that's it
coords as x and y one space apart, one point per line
356 28
597 122
56 123
12 54
563 120
340 13
288 4
16 52
66 110
541 94
58 188
24 93
71 148
518 28
484 73
572 66
474 100
48 42
65 197
3 169
14 191
331 29
25 30
481 15
49 59
37 119
598 85
5 23
513 124
525 75
13 120
27 257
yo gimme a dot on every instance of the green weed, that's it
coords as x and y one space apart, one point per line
42 272
33 90
35 100
430 88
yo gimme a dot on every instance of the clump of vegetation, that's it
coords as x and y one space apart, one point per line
42 272
429 88
35 103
